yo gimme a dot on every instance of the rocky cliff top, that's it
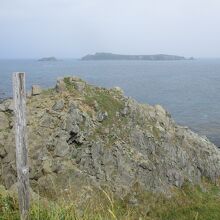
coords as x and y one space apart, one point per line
83 137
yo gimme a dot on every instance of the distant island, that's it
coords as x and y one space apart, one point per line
48 59
111 56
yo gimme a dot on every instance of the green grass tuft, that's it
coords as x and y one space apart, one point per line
187 203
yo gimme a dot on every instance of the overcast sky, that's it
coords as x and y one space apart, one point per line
73 28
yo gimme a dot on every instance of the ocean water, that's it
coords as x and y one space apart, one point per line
189 90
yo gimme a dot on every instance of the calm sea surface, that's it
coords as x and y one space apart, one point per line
189 90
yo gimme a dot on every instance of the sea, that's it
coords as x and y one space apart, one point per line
188 89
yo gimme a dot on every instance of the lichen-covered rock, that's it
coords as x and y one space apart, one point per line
59 105
60 86
118 89
4 122
2 151
102 116
7 106
36 90
2 107
80 86
87 136
62 148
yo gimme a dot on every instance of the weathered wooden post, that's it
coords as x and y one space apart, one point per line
21 144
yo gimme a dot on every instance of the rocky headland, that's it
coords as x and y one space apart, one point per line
82 138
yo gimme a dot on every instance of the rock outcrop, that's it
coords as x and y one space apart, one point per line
81 136
36 90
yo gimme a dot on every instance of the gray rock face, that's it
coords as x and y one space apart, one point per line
58 106
2 151
100 138
80 86
4 122
7 106
118 89
2 107
60 86
102 116
62 148
36 90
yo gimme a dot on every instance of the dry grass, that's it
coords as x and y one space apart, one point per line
194 203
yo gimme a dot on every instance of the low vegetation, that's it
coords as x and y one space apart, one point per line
196 203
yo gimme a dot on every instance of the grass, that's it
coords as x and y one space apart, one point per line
69 85
106 101
49 91
190 202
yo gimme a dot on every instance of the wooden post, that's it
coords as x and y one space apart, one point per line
21 144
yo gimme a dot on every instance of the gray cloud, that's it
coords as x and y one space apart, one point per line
72 28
